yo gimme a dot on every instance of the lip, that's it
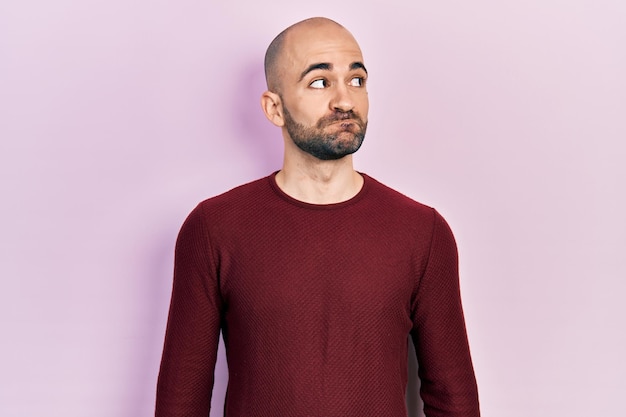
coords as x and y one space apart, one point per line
344 126
345 123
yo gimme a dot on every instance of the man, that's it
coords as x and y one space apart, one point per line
316 275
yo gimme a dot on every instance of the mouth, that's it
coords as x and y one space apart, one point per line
344 124
349 126
344 121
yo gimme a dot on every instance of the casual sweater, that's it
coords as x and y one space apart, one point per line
316 304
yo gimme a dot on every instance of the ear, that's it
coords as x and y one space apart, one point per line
273 108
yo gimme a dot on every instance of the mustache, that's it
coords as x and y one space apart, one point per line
338 116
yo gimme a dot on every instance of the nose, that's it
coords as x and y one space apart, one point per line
342 99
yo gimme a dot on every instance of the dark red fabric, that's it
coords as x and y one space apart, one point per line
316 304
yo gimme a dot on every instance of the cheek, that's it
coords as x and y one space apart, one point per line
364 106
308 111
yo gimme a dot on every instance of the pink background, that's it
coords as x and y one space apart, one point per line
117 117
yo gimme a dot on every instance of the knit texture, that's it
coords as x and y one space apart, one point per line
316 304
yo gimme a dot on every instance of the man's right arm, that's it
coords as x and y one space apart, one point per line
191 341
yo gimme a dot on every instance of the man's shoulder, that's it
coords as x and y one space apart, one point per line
413 215
253 189
390 196
232 211
230 203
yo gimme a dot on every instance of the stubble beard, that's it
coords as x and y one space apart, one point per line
325 146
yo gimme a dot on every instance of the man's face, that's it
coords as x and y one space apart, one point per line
324 97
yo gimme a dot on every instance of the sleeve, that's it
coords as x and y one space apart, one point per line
186 375
448 385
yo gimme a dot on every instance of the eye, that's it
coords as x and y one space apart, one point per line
321 83
357 82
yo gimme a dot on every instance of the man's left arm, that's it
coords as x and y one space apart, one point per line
448 384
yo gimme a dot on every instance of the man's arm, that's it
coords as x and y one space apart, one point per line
192 336
448 384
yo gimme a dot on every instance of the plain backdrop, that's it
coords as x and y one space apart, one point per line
117 117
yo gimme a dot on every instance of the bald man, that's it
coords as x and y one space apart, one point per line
316 275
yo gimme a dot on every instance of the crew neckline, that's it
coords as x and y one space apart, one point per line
332 206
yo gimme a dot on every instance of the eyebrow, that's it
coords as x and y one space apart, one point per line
328 67
358 65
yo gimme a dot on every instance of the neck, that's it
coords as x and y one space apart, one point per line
313 181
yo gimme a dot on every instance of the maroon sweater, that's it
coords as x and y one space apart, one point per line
316 303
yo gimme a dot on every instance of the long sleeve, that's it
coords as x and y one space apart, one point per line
315 302
448 384
187 367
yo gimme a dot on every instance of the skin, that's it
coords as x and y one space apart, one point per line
329 99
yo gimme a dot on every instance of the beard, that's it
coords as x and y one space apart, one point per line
316 141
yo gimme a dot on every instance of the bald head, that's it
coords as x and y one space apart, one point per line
275 54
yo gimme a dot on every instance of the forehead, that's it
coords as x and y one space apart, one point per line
332 45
